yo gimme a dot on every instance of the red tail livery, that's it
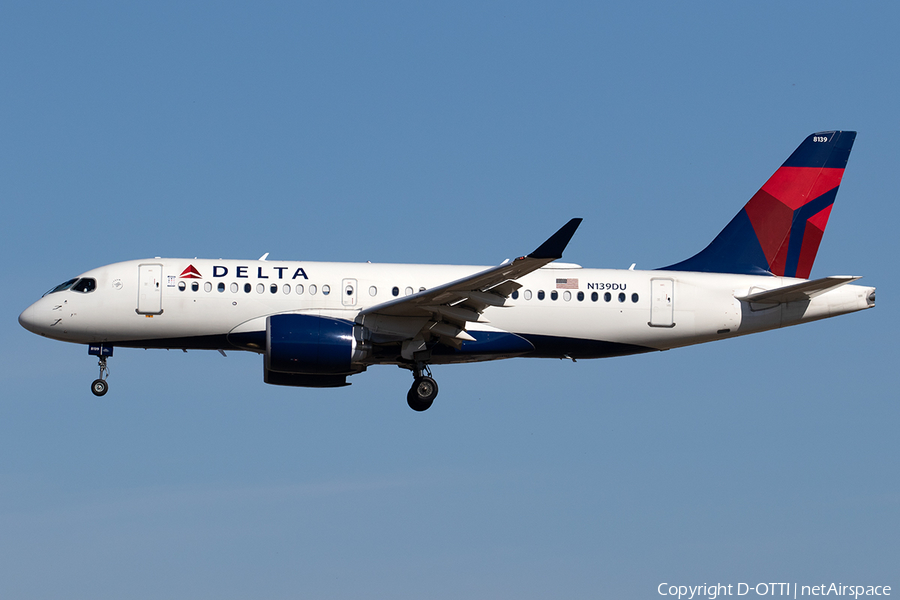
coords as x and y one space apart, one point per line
778 231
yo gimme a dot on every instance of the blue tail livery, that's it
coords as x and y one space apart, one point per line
778 231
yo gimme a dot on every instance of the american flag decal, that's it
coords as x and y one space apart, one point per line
567 284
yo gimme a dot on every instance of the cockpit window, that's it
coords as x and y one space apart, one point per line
63 286
85 285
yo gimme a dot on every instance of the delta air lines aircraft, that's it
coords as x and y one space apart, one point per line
316 323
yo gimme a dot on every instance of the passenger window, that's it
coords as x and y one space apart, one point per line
260 288
299 289
85 285
182 286
621 296
273 288
326 289
515 295
527 294
594 296
540 294
207 286
313 289
195 286
567 295
554 295
221 286
395 291
234 288
373 290
580 296
286 288
247 288
408 291
634 298
607 297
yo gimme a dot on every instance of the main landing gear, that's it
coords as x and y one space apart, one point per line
99 386
424 389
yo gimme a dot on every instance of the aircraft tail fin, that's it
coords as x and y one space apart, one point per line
778 231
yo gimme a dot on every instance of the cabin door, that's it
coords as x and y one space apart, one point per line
149 290
662 303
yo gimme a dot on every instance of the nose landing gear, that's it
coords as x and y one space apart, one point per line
99 386
424 389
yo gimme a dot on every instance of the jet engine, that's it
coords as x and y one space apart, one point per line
312 351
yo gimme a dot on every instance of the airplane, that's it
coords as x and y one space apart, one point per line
317 323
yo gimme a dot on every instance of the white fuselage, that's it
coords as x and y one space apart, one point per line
157 303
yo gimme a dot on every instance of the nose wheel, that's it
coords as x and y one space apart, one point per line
99 387
423 391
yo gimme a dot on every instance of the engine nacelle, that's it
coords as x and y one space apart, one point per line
312 345
295 380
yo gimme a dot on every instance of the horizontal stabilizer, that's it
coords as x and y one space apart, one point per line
800 291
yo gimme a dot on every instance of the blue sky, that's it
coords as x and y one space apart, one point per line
463 133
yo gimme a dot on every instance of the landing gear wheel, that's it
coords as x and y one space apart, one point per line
99 387
422 393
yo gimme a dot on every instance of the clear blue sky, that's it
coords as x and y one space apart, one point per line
448 133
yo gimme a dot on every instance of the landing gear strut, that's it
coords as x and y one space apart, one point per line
99 386
424 389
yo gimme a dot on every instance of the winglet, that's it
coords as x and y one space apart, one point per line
553 247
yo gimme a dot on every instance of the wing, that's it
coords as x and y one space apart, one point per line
443 312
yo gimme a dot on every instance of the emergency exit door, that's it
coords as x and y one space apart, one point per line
348 297
149 290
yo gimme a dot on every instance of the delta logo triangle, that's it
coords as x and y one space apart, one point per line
190 273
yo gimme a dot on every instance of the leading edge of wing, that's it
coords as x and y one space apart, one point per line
481 288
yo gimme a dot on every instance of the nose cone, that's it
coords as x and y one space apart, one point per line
27 320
